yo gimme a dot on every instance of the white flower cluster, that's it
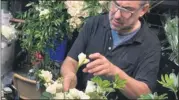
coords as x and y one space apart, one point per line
43 12
56 88
46 76
75 9
8 31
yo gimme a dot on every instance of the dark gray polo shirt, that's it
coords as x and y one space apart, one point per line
139 57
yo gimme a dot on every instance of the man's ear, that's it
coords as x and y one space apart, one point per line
144 10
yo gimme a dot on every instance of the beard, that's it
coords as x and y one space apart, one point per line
122 27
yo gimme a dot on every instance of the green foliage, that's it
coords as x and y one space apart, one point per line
94 7
103 84
39 30
118 83
154 96
46 96
171 28
95 95
170 82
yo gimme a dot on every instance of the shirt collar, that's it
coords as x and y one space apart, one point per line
139 36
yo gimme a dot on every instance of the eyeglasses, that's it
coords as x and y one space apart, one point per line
124 12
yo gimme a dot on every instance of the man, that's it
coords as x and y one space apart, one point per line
117 43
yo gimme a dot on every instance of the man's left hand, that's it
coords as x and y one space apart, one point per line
100 65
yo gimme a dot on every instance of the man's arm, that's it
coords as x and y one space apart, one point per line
143 81
133 88
68 71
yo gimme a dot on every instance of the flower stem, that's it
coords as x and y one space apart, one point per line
176 95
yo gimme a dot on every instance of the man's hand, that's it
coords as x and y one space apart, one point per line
100 66
70 81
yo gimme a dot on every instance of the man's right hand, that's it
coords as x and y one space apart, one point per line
69 81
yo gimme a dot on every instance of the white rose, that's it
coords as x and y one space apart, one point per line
74 93
82 59
90 87
83 95
59 96
46 75
8 31
51 89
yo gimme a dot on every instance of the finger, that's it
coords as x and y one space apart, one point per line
95 56
96 69
66 84
102 72
85 70
94 63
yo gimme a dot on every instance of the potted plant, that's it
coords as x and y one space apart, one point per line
44 26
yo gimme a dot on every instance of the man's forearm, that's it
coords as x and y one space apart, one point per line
133 88
69 66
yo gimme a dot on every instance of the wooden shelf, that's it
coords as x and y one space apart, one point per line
17 20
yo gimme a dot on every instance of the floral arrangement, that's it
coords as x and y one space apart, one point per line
96 88
80 10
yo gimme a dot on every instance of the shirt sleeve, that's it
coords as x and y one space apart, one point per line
148 69
81 41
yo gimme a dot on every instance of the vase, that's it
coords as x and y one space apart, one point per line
26 88
59 53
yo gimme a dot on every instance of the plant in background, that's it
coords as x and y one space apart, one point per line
171 28
153 96
45 23
80 10
171 82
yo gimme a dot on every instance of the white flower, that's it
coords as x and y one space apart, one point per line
59 96
74 93
46 75
82 59
82 95
175 79
51 89
47 84
99 90
8 32
90 87
74 22
75 7
44 12
103 2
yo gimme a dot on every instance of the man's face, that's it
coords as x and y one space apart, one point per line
124 14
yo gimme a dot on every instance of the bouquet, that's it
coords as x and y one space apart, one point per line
96 87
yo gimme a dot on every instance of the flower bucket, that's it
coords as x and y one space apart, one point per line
59 53
25 87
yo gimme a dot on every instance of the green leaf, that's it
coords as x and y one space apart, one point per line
47 95
154 96
119 83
